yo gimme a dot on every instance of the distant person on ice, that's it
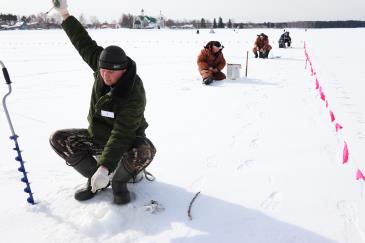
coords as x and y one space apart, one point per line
285 40
116 132
211 61
262 47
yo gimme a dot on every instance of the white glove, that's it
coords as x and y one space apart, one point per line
100 179
60 6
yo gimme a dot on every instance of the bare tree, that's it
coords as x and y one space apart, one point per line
94 21
126 21
82 19
169 23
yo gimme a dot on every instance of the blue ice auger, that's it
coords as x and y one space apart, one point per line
15 138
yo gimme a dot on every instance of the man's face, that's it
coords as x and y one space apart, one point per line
215 49
111 77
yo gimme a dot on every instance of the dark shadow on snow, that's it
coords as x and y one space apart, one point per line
214 220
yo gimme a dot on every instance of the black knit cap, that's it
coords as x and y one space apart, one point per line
113 58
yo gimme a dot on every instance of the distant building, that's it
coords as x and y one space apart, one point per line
187 26
17 26
147 22
108 26
29 26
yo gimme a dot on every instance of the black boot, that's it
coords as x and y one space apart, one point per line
86 166
121 193
84 194
119 185
207 80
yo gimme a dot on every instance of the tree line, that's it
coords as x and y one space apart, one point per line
127 20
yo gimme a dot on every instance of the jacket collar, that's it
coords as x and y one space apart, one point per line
124 85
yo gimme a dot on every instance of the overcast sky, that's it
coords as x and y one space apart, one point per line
238 10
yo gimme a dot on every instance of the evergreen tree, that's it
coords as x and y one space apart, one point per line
8 18
229 24
214 24
220 22
203 24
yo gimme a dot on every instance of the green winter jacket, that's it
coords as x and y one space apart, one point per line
116 115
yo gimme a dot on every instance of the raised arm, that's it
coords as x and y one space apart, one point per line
87 47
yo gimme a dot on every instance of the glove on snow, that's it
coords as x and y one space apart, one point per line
100 179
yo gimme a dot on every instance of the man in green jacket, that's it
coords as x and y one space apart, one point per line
116 132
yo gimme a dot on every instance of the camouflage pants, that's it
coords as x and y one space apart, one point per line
74 144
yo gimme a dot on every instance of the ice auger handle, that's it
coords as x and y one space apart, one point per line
6 76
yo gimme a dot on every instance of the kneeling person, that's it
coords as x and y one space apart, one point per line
262 48
211 61
116 132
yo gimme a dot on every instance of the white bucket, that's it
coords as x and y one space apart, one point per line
233 71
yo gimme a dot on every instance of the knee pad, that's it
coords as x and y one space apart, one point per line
139 156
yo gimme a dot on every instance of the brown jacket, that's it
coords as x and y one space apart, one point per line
207 59
262 44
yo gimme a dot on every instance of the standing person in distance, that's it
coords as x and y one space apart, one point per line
211 62
116 132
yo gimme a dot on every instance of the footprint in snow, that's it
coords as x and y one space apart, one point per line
246 163
254 143
348 212
271 202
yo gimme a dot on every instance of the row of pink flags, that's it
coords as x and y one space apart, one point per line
338 127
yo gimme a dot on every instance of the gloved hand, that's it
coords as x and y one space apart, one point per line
60 6
100 179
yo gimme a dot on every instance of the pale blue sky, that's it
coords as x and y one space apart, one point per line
238 10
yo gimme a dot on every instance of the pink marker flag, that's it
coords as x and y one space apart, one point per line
317 84
345 157
360 175
332 116
338 127
323 97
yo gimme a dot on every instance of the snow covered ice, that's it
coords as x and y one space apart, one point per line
262 150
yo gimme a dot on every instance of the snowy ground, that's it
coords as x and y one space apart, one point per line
261 150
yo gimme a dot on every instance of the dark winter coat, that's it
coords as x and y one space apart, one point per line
208 59
285 38
262 43
116 116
